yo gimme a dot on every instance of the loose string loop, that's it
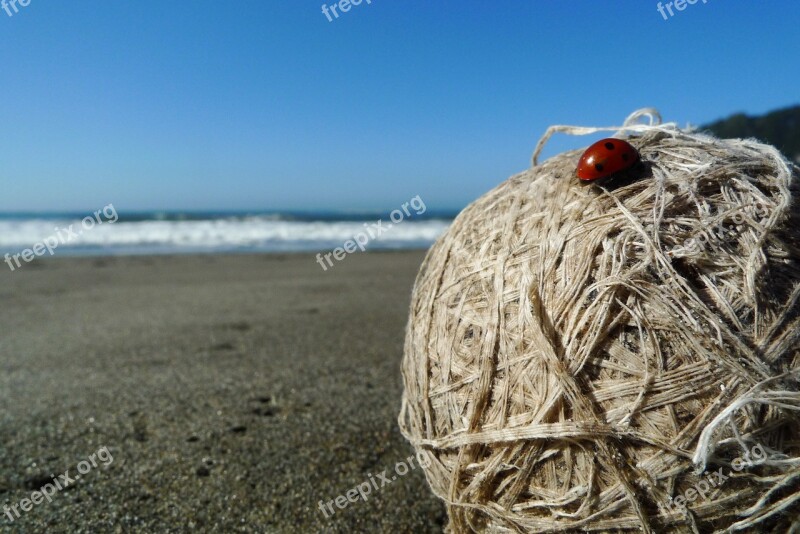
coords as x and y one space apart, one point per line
631 124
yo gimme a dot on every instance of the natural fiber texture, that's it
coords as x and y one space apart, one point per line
577 355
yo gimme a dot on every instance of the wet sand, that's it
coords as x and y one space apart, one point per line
232 392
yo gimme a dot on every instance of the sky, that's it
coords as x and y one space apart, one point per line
267 105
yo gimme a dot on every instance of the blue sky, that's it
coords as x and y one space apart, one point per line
264 104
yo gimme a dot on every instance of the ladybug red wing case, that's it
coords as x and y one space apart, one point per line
606 157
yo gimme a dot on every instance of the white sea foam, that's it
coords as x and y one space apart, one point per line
261 233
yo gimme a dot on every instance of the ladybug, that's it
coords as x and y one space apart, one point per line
606 157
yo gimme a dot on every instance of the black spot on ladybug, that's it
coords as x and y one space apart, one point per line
599 167
625 157
609 145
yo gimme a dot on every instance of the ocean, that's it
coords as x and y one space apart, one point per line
161 232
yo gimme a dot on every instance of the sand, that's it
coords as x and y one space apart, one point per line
233 393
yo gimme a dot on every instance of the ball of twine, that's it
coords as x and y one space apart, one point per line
584 358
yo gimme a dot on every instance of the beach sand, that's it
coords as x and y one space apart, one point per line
233 393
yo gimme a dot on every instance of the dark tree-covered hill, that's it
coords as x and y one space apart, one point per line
780 128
